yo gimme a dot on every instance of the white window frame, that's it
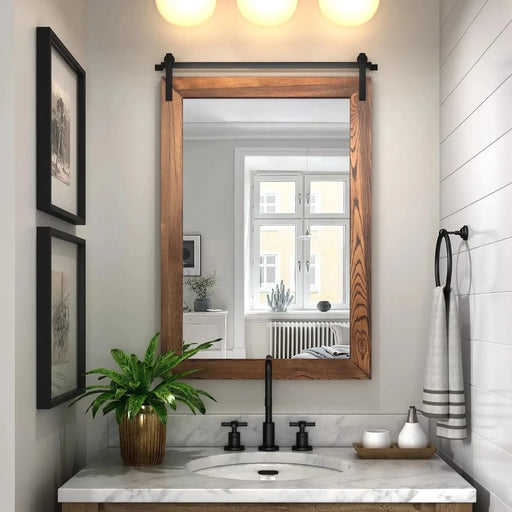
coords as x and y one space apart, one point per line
343 257
255 260
334 177
302 219
257 177
286 159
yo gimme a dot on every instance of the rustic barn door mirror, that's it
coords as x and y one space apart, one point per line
247 164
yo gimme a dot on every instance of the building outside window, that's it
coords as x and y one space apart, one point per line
269 267
268 202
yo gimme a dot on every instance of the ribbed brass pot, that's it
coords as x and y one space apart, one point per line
142 439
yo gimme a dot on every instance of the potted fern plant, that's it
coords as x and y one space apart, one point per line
141 393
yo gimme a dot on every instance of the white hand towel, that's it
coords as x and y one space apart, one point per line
435 389
455 425
443 392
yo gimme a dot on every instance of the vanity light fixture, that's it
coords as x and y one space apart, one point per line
267 13
349 12
186 13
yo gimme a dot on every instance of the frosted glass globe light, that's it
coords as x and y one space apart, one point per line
349 12
267 13
186 13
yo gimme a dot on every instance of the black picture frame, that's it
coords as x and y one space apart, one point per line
60 130
191 255
60 350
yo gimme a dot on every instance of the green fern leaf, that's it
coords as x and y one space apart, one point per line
135 402
149 356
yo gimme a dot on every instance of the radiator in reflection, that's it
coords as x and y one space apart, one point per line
288 339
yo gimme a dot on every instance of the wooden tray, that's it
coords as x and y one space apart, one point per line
394 452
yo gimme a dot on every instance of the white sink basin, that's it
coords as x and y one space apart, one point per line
264 466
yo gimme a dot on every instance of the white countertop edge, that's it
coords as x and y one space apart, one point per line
274 496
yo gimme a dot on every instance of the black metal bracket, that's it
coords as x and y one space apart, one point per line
168 64
362 64
362 61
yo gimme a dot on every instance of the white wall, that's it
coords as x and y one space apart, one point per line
7 256
476 189
49 446
125 39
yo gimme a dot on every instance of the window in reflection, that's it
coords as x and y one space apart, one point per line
275 253
300 237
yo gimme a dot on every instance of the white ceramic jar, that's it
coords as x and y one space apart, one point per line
412 435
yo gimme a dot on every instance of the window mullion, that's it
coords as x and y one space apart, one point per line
299 244
307 257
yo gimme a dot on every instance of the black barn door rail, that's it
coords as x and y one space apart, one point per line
362 64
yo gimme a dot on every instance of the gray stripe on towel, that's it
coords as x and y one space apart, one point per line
435 403
453 437
443 392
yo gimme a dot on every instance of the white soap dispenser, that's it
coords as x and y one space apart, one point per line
412 435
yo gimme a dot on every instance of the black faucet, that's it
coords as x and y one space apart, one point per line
268 425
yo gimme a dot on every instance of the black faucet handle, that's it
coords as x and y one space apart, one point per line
302 444
234 424
234 444
302 424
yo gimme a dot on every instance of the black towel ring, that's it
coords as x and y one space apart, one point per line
445 235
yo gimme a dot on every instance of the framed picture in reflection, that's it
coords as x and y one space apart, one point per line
191 255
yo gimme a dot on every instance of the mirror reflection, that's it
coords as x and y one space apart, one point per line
266 222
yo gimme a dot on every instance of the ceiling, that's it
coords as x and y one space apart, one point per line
266 110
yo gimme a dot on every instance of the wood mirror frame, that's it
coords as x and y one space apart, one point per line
359 364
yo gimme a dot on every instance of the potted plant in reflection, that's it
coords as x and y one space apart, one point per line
202 286
141 393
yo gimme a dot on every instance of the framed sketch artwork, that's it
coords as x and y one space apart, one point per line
60 317
60 130
191 255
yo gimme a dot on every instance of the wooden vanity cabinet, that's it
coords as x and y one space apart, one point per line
267 507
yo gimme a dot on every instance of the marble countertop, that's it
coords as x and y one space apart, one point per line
106 479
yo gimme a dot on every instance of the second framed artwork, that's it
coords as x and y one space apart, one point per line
191 255
60 317
60 130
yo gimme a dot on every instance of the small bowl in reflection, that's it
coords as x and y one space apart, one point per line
323 305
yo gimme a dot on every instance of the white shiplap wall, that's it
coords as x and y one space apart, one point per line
476 189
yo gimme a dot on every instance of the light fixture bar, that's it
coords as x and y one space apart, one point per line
362 64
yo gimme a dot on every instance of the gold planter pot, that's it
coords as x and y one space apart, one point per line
142 439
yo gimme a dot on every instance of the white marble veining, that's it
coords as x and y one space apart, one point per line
360 481
330 429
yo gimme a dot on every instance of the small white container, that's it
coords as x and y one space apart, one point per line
376 438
